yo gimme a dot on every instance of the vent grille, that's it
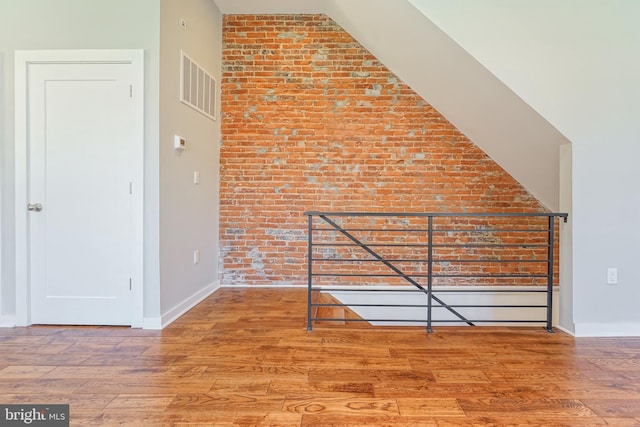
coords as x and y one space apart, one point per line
197 87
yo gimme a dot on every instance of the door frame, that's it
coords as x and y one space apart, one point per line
23 59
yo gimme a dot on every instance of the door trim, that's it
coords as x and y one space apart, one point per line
23 59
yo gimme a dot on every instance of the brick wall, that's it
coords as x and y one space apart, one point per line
312 121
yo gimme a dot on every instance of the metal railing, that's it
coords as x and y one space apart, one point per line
434 253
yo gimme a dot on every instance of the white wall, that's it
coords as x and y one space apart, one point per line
577 63
568 60
188 212
79 24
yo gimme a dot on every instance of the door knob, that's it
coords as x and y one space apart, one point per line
34 207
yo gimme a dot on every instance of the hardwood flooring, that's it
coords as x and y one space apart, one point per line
244 357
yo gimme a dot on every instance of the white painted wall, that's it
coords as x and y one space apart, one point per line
188 212
577 63
567 59
78 24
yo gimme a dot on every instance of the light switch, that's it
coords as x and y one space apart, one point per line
612 276
196 177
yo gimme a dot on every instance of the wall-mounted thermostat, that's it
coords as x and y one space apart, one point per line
179 143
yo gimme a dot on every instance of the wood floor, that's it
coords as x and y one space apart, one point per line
244 357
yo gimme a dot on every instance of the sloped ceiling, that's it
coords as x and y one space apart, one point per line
511 132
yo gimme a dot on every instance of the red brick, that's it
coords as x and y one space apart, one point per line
297 120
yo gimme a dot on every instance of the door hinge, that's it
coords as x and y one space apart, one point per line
130 91
129 283
130 187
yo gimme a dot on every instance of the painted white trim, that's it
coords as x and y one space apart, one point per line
565 330
152 323
22 60
7 321
170 316
20 156
622 329
137 290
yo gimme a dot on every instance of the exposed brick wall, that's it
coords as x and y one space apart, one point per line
312 121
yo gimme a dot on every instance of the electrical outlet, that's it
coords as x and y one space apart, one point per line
612 276
179 143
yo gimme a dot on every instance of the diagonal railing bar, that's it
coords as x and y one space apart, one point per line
395 269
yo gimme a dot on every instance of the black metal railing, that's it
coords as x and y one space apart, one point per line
434 253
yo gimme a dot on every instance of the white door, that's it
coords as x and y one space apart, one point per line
83 145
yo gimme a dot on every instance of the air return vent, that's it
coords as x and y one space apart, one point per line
197 87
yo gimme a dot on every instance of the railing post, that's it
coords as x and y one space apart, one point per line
309 270
550 256
429 273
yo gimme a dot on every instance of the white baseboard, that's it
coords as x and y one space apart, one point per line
7 321
607 329
154 323
565 330
403 316
170 316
